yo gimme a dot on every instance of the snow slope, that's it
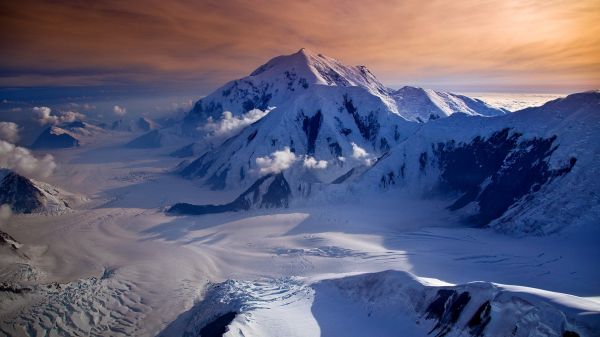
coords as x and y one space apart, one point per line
71 134
422 105
125 268
323 124
511 172
387 303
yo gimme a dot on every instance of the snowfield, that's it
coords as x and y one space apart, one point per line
120 266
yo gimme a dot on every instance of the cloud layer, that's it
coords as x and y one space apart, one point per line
22 161
229 125
276 162
119 111
312 163
45 116
9 132
541 43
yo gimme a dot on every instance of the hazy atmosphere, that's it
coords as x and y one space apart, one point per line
530 46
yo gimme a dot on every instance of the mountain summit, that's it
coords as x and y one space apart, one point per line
287 77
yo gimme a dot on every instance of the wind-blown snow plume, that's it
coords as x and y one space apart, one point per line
361 154
312 163
276 161
9 132
22 161
228 125
44 116
119 111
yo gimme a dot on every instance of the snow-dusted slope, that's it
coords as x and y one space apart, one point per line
422 105
142 124
27 196
270 191
389 303
531 171
66 135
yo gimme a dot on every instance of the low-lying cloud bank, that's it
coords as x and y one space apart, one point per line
361 155
9 132
281 160
45 116
312 163
276 161
229 124
119 110
22 161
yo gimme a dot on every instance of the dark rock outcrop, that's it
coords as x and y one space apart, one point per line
277 193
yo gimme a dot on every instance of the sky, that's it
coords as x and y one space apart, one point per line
461 45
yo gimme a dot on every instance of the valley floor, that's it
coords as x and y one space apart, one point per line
123 267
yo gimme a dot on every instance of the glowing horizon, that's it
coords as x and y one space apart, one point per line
466 45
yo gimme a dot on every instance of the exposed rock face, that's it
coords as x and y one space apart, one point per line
21 194
508 172
27 196
270 191
149 140
55 138
497 171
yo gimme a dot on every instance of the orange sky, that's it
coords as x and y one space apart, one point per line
489 45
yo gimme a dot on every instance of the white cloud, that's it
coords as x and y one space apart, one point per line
22 161
9 132
358 152
311 162
361 154
119 111
228 125
276 161
44 116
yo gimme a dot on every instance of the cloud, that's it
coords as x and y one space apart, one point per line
44 116
228 125
312 163
119 111
358 152
84 106
9 132
525 42
276 161
361 154
5 213
22 161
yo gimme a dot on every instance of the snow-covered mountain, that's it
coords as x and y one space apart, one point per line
71 134
531 171
422 105
510 172
142 124
324 112
285 77
286 81
327 124
26 196
282 79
